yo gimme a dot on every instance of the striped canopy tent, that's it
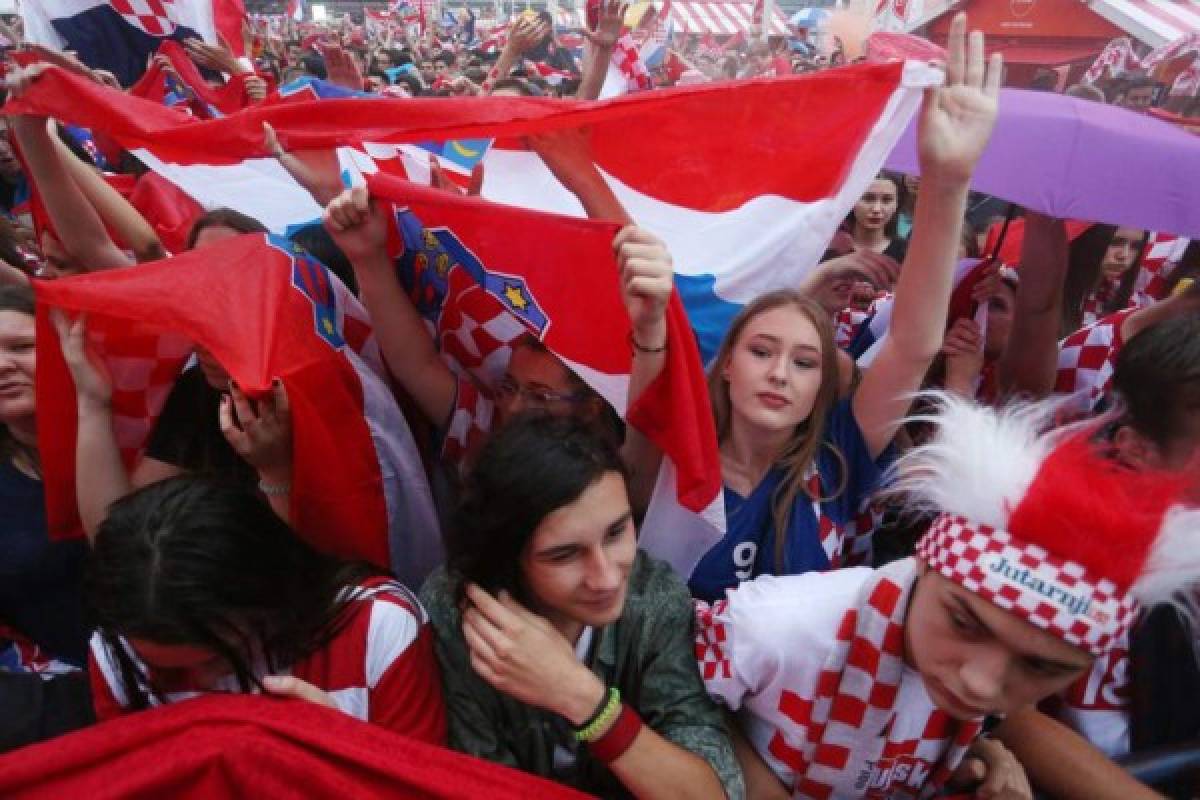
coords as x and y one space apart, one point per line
721 17
1155 22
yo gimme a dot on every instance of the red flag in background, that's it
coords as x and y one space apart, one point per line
251 746
264 310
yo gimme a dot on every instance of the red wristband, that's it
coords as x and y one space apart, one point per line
613 744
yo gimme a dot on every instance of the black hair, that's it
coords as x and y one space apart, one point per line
193 561
314 65
532 466
18 299
445 57
1157 378
892 228
1085 259
523 86
224 218
317 242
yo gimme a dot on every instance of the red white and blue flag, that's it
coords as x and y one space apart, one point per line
746 182
264 310
120 35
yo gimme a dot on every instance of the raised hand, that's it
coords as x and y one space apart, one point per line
526 34
341 68
647 277
256 88
609 23
93 384
219 57
956 120
357 225
438 179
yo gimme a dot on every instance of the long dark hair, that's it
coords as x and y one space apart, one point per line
20 300
1085 259
193 561
534 465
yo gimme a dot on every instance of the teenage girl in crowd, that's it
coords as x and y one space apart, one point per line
797 460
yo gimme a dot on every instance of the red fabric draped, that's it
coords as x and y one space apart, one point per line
253 746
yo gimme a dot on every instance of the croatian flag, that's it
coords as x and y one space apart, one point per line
746 182
264 309
120 35
481 288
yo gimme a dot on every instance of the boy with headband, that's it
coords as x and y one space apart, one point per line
876 683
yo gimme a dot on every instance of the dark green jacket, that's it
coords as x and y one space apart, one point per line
649 654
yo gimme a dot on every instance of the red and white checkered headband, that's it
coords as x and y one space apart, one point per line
1052 593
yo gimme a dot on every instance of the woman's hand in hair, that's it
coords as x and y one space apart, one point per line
522 655
290 686
93 384
956 120
260 431
647 277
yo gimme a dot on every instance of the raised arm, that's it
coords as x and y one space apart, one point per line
116 212
77 224
360 229
1030 362
100 476
601 42
525 33
954 126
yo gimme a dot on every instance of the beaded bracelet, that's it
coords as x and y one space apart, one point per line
640 348
601 719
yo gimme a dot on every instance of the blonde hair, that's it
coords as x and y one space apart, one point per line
800 452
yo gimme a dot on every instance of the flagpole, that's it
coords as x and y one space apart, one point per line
768 6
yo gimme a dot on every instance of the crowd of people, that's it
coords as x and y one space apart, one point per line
967 563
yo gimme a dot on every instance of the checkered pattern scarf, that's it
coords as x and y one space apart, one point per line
628 60
855 704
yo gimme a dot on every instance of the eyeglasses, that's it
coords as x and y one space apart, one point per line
508 389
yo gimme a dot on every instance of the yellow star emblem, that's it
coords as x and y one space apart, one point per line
515 297
442 264
328 325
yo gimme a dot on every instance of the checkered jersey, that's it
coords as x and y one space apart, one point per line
814 664
1163 252
1052 593
1087 358
150 16
379 668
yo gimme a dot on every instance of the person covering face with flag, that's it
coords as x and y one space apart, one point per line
875 683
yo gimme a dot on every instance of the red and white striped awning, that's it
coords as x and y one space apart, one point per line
721 17
1155 22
